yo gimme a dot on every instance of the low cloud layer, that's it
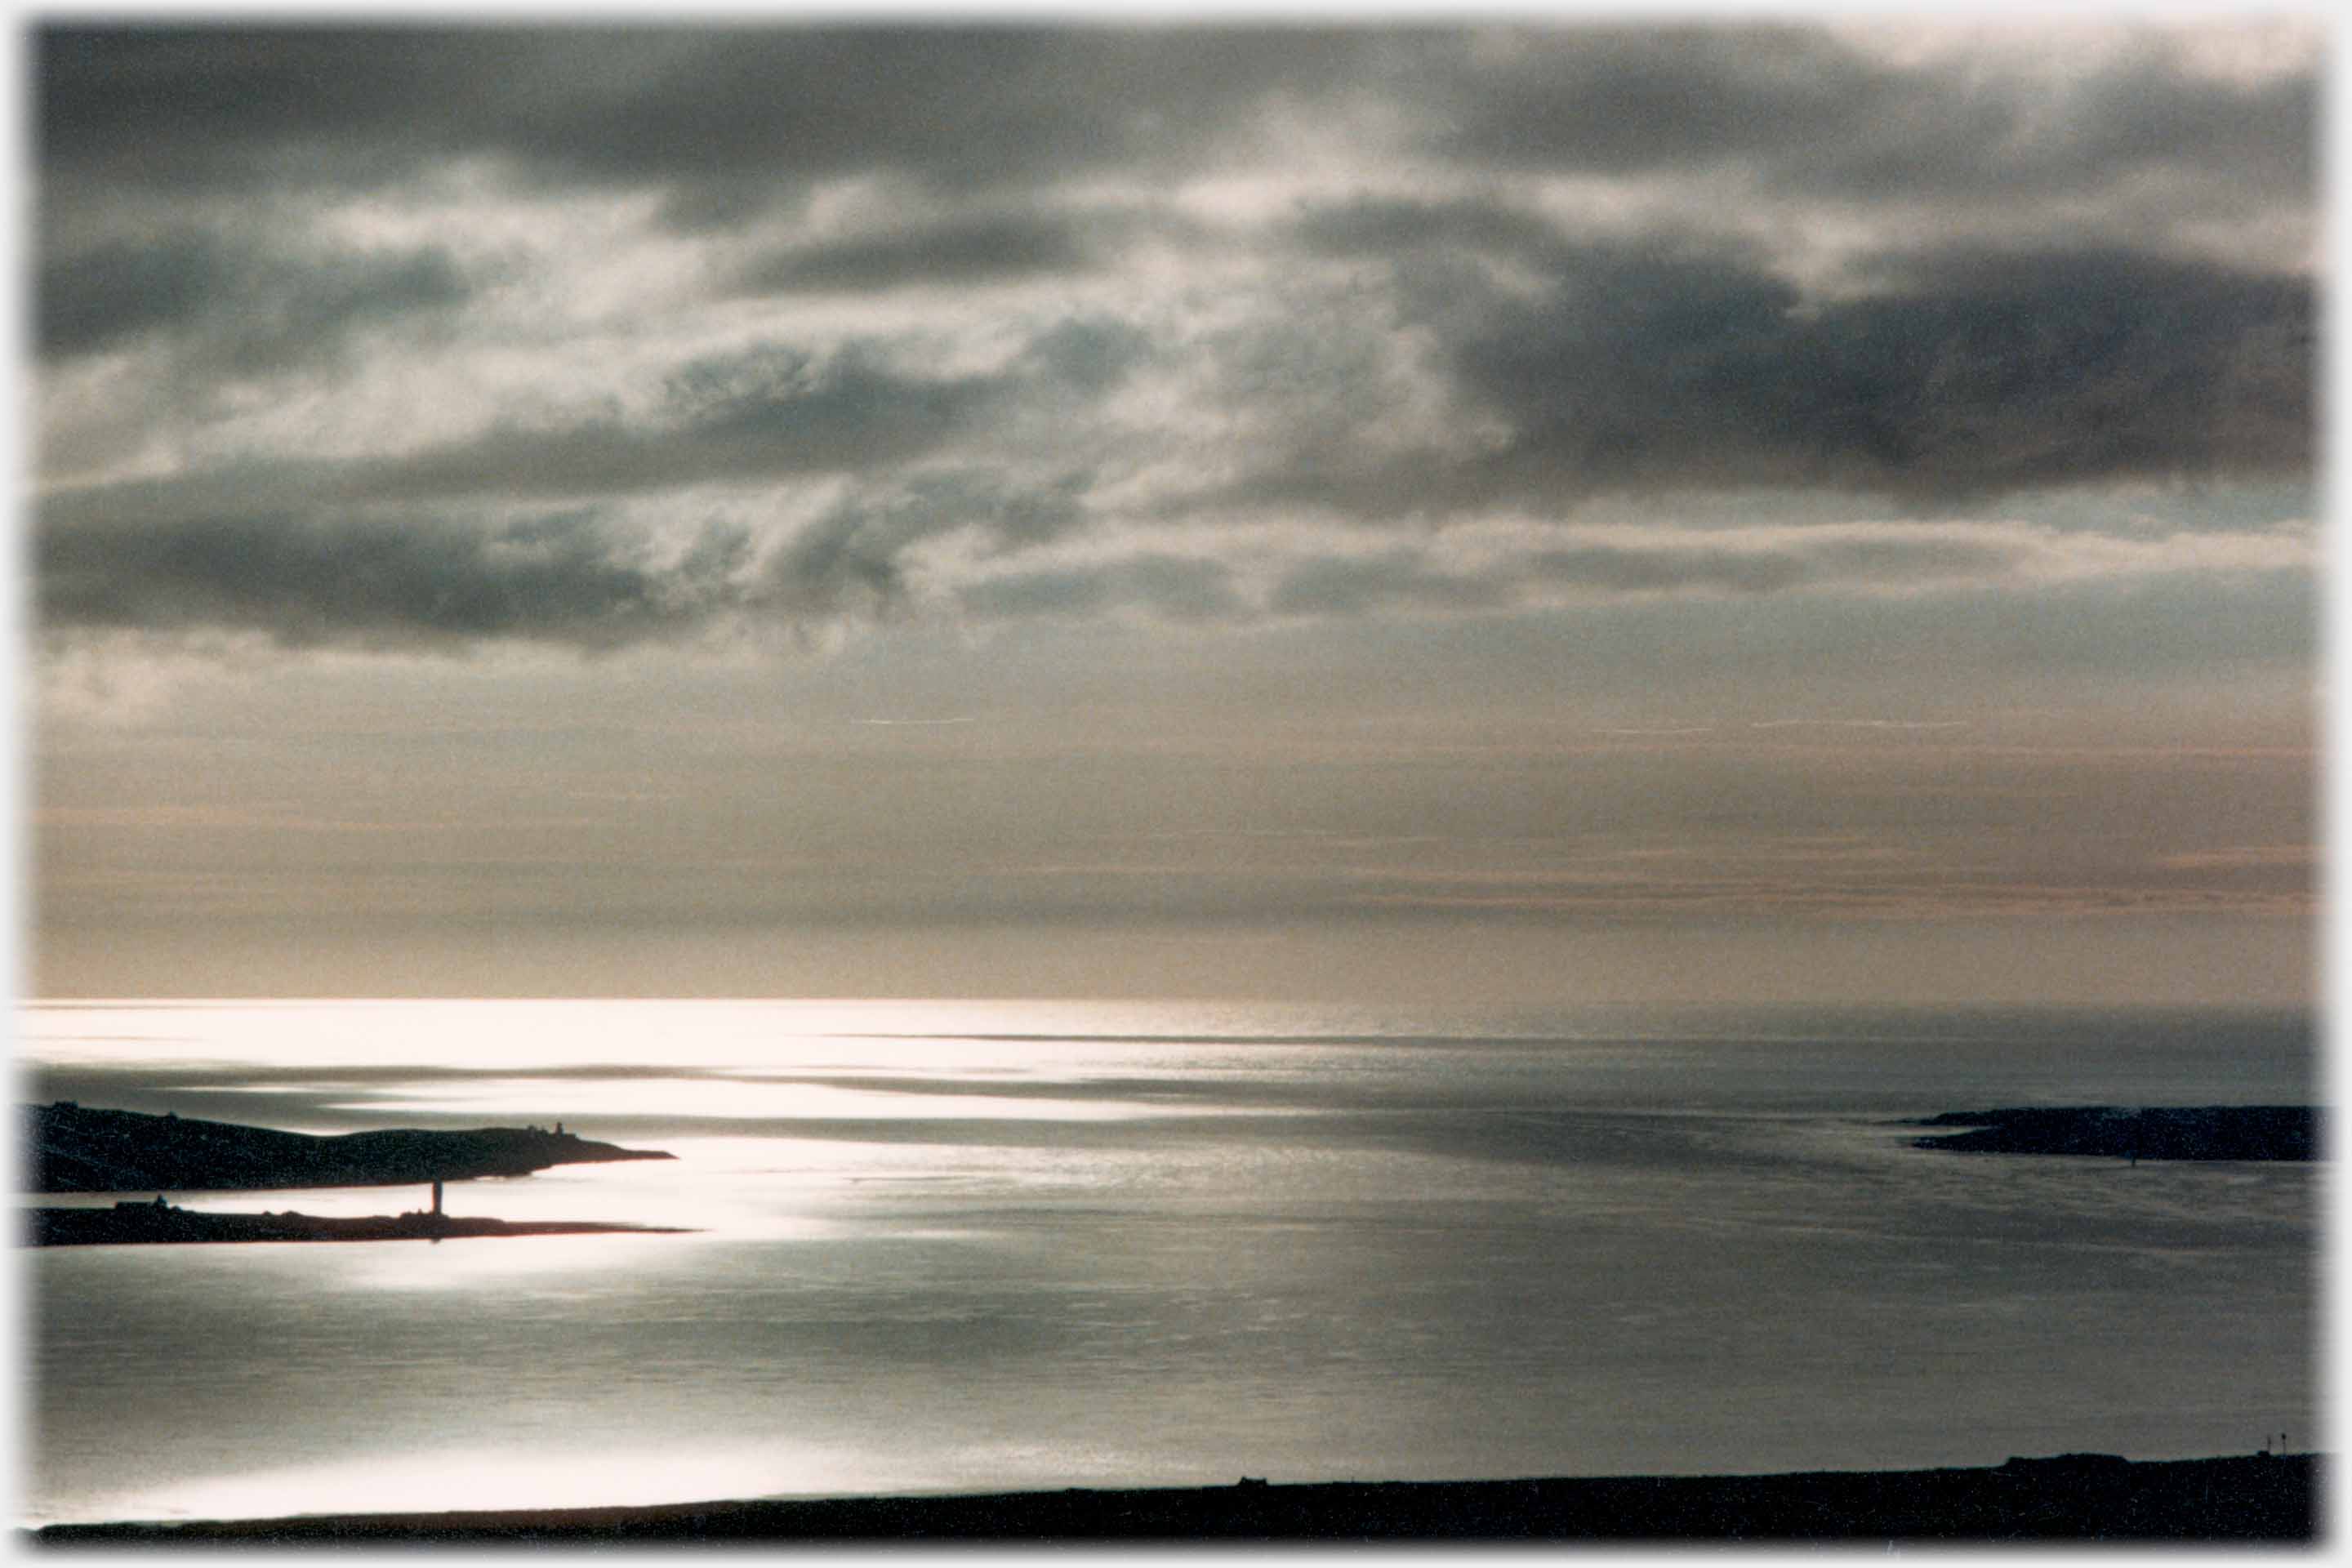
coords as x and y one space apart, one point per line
1529 378
558 578
952 550
985 249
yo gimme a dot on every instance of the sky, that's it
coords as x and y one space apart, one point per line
1796 510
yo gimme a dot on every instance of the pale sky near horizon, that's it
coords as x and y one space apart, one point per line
1812 511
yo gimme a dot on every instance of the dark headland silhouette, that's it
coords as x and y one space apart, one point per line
2074 1497
2142 1133
74 1150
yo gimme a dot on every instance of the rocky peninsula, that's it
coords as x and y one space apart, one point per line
2137 1132
73 1150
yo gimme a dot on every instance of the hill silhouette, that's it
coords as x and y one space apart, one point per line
73 1150
2071 1497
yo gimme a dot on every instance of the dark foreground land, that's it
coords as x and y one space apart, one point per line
2152 1133
2071 1497
75 1150
132 1225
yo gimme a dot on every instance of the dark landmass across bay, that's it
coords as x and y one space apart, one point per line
73 1150
2149 1132
133 1224
2081 1496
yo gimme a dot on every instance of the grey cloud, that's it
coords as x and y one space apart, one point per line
1178 588
996 102
1026 595
164 105
1961 373
764 414
575 578
304 575
1634 570
1181 589
837 566
89 302
1013 517
1969 374
1385 227
728 118
1806 112
1088 353
725 119
851 561
245 309
1909 560
1951 642
984 249
770 413
2145 115
580 580
1409 580
1352 586
1824 562
1406 578
566 578
1626 100
211 548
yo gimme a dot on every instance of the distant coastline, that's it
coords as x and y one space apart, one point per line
136 1224
2071 1497
2137 1132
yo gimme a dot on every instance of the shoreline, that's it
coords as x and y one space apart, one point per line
156 1224
2074 1497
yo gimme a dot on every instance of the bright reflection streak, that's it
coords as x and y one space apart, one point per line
541 1060
740 1098
587 1262
1056 1037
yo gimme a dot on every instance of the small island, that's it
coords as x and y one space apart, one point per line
74 1150
138 1224
2135 1133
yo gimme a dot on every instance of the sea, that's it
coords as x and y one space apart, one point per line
953 1246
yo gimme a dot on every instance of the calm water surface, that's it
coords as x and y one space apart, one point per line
958 1245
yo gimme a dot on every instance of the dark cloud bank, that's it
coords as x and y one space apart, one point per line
1942 372
1970 375
719 114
